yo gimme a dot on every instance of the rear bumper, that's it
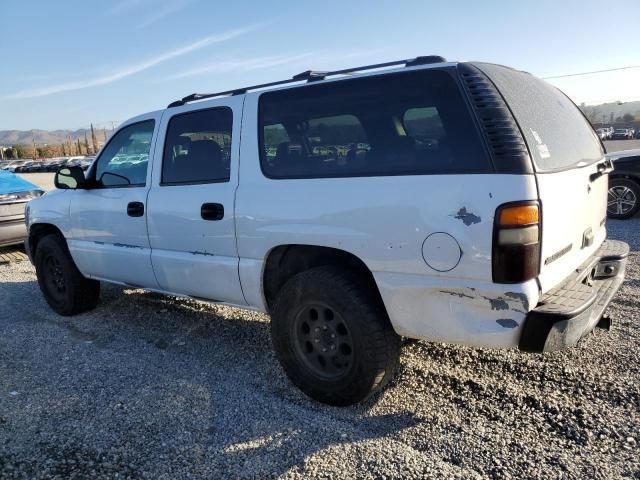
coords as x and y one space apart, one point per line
568 312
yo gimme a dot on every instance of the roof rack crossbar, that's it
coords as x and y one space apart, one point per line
310 76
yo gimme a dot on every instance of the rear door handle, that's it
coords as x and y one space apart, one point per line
212 211
135 209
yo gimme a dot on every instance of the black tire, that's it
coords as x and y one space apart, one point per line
623 200
366 350
64 288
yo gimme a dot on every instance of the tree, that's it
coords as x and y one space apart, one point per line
79 147
21 152
94 142
628 118
86 142
64 150
13 153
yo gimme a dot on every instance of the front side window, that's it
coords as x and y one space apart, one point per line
198 147
124 161
396 124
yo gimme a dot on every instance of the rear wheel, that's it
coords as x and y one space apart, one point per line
624 198
333 337
64 288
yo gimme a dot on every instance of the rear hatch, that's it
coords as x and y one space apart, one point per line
570 169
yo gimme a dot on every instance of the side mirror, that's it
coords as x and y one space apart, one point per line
69 178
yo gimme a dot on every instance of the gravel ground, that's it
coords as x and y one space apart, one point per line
155 387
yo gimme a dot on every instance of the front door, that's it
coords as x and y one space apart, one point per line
108 238
191 202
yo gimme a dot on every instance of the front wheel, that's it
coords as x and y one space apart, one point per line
623 199
332 336
64 288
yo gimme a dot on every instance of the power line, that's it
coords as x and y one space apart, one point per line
592 72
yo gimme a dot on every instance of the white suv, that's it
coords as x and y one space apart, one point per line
454 202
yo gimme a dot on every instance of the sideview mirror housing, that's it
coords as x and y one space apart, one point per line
69 178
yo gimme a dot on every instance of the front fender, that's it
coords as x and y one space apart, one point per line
52 209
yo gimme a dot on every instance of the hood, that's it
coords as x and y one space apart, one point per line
11 183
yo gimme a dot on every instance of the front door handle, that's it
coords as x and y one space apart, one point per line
212 211
135 209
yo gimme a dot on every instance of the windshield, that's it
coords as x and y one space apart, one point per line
556 131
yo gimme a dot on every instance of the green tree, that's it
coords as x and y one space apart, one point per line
20 151
86 142
13 153
64 150
628 118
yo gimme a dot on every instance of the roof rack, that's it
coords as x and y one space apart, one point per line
310 76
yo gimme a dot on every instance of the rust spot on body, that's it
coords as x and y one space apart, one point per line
467 218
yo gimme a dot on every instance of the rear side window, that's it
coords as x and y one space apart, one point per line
198 147
555 130
409 123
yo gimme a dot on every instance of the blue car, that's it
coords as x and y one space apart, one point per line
14 194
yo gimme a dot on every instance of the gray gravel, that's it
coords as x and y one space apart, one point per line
149 386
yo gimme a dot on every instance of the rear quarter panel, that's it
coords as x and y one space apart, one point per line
384 221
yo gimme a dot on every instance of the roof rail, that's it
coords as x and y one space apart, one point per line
310 76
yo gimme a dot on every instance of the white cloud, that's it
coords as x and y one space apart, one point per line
168 9
304 60
125 6
129 70
246 64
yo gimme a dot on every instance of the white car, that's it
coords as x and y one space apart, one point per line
453 202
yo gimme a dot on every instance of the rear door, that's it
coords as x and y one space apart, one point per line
571 178
191 203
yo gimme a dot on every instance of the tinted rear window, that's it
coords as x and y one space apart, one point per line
198 147
555 130
408 123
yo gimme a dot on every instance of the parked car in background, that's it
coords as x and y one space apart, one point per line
624 184
622 134
603 133
11 166
25 167
430 200
15 192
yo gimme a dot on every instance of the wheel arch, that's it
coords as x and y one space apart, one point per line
633 176
285 261
38 231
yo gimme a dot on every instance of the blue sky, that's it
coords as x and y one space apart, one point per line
69 62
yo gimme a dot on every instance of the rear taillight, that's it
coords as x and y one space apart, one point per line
516 242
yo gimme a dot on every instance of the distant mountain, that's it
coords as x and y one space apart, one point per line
54 137
610 113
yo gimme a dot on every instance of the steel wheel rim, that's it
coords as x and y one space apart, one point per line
322 341
621 200
54 277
